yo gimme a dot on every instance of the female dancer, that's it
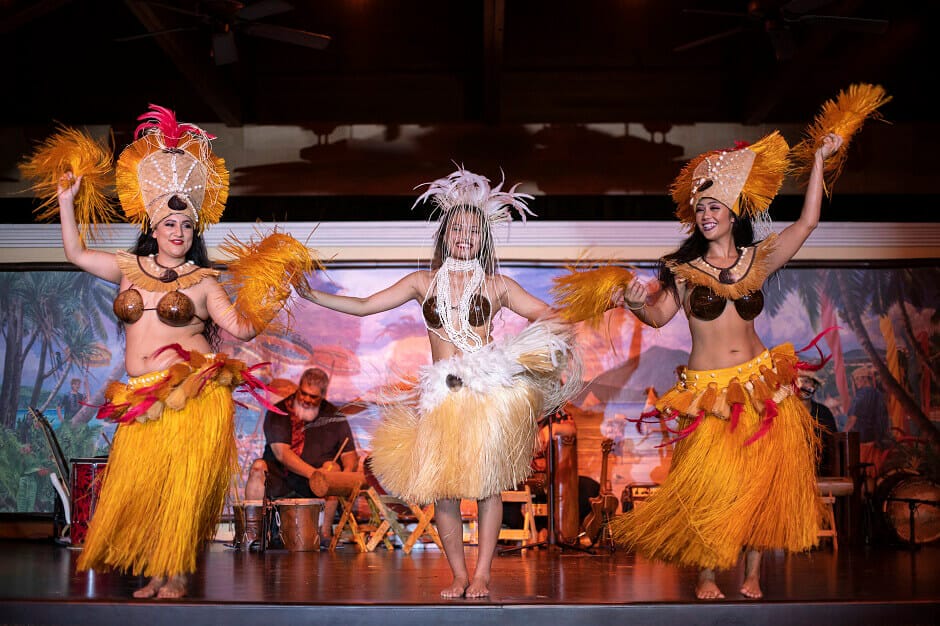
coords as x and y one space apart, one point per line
469 428
742 471
174 450
742 474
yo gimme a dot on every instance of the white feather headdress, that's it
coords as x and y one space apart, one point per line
464 188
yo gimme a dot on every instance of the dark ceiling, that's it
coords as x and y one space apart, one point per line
434 61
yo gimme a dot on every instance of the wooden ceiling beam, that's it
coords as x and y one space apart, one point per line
194 64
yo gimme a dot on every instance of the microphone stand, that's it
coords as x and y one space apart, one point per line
552 505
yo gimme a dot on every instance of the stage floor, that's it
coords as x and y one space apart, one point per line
39 585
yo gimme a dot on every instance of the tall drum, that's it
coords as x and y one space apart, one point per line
299 522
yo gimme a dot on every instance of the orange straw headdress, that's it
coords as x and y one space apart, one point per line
171 169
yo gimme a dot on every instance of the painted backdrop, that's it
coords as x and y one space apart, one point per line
60 336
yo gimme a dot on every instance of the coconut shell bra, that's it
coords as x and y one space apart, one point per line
175 308
479 314
712 287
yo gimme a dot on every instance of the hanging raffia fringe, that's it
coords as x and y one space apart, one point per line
73 150
844 116
262 272
764 388
150 395
584 295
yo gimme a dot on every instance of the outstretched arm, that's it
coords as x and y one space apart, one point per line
95 262
652 306
521 302
408 288
793 236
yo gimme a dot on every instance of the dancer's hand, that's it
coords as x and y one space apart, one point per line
635 295
68 188
830 145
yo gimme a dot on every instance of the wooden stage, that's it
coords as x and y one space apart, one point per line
39 585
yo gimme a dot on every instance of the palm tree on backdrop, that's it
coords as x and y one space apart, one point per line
36 306
907 286
856 292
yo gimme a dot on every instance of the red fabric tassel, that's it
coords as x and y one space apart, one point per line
736 410
106 411
685 432
252 383
138 409
183 354
770 412
208 373
812 367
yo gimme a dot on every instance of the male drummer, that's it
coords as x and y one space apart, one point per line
312 435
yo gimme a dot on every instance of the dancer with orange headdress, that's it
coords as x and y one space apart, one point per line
742 473
174 452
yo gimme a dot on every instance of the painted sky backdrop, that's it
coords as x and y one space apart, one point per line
621 358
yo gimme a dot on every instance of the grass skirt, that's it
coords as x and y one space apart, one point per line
751 486
165 485
469 428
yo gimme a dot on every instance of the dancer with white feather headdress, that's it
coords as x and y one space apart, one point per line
467 428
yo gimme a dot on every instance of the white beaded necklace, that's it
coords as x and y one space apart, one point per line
456 320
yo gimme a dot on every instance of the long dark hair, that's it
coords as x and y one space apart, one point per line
695 245
197 253
487 253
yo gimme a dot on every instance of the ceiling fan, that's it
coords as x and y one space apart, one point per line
226 18
779 22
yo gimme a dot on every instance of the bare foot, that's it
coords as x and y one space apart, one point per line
456 589
706 589
479 588
751 587
151 588
174 588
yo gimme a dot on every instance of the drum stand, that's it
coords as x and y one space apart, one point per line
912 504
552 507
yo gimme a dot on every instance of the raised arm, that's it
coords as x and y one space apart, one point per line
652 305
792 237
408 288
95 262
520 301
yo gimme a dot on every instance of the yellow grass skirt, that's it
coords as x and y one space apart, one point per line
165 485
752 486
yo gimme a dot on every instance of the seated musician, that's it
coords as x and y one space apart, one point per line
312 435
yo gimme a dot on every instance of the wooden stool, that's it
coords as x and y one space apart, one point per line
392 521
528 531
348 519
831 487
347 487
